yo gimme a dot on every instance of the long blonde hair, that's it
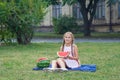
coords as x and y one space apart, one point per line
71 42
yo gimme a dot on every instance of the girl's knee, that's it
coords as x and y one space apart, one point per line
59 60
54 61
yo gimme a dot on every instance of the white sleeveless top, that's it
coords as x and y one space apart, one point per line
68 49
70 62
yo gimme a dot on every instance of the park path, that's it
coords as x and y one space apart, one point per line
57 40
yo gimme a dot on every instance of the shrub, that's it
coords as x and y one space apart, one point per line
20 15
5 35
64 24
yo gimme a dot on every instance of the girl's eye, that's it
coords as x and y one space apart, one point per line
67 36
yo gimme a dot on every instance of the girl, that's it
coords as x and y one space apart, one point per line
71 61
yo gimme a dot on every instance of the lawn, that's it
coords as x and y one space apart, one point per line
17 61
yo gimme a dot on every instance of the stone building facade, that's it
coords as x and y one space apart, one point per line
106 18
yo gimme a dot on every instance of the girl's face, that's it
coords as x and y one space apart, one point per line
68 39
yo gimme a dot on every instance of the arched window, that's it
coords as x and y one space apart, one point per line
57 10
118 9
76 11
100 10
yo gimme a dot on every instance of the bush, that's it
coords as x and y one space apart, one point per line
19 16
64 24
5 35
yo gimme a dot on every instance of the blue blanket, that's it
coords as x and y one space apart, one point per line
83 67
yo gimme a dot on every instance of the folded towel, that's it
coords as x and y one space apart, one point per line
83 67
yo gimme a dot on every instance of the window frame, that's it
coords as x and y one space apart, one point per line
118 10
76 11
56 10
100 10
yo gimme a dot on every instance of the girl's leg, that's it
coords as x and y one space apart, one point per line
54 64
61 63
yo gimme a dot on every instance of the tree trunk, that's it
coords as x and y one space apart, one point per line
88 12
23 39
87 31
24 36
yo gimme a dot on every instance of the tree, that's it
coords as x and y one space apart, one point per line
5 34
87 10
23 14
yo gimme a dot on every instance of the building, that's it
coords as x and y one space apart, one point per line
106 18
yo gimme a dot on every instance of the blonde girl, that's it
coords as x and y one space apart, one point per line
71 61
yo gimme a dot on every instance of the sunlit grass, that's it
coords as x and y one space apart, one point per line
17 61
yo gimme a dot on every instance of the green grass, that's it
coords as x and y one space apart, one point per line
17 61
79 35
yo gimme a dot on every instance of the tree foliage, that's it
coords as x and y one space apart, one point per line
5 34
112 2
22 15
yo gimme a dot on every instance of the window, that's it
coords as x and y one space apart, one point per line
100 10
119 9
57 10
76 11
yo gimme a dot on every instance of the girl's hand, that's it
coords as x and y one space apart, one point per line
68 55
65 57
